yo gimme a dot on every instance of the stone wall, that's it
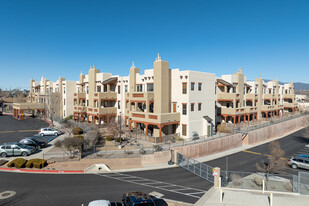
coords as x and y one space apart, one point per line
276 130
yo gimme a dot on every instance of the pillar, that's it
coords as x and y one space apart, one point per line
130 121
225 119
99 119
135 125
244 118
266 115
146 125
93 119
234 119
160 132
87 118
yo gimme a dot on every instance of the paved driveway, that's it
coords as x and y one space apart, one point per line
13 130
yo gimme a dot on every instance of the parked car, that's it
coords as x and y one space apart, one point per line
137 199
104 203
49 131
33 142
0 113
299 162
14 149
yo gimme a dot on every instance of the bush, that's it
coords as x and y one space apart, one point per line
18 163
58 143
69 117
36 163
109 138
118 139
77 131
80 137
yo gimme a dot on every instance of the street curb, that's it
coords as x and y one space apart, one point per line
42 171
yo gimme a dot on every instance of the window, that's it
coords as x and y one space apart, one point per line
174 106
184 88
126 88
200 86
63 90
98 88
118 104
150 87
87 90
192 86
118 89
184 109
192 107
64 113
199 106
87 102
64 101
184 130
139 87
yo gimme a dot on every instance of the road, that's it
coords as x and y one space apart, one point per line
173 183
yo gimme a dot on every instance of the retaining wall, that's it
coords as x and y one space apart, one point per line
156 158
211 147
276 130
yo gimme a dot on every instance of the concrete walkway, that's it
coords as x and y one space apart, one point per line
233 197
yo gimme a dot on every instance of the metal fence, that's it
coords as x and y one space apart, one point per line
303 183
254 181
62 157
198 168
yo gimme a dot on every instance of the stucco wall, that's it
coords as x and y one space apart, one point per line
156 158
276 130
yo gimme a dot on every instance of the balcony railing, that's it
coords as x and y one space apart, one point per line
156 118
105 95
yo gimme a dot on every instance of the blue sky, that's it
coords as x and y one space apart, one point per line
62 38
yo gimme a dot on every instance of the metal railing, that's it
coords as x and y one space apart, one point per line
200 169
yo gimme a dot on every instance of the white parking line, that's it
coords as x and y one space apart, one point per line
150 183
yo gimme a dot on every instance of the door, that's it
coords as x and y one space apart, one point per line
16 150
208 130
9 150
174 107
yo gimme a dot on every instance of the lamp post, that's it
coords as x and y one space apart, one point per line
119 120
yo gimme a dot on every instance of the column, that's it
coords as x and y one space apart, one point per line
266 115
234 119
244 118
93 119
130 121
135 125
87 118
99 119
225 119
160 132
146 125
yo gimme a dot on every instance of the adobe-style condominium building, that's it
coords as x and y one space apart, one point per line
239 100
165 101
98 96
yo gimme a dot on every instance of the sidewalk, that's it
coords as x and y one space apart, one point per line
233 197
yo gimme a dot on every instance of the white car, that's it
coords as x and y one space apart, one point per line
49 131
99 203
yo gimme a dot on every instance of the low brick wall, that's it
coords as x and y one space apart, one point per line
156 158
276 130
211 147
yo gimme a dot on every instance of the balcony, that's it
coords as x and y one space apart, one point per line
140 96
80 95
267 108
101 111
250 109
288 96
251 96
268 96
289 105
232 111
155 118
227 96
80 109
105 95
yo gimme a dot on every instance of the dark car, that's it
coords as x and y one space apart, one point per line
0 113
137 199
33 142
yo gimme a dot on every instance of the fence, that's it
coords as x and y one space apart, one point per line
303 183
198 168
254 181
62 157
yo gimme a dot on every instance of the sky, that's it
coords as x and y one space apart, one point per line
62 38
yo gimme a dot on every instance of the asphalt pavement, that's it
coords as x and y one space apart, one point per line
13 130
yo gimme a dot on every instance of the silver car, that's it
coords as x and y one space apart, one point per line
14 149
49 131
299 162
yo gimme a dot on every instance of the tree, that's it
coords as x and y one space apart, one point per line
71 144
52 106
276 163
116 128
92 138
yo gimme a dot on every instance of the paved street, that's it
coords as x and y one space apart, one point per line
13 130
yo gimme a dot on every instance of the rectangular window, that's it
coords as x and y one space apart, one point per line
184 109
126 88
98 88
118 104
192 86
63 90
174 106
184 130
118 89
184 88
87 90
139 87
192 107
200 86
150 87
87 102
199 106
63 101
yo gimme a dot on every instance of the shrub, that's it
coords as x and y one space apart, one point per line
223 128
36 163
77 131
109 138
236 179
80 137
258 181
58 143
118 139
18 163
69 117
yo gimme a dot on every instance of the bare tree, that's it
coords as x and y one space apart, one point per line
52 106
92 137
116 128
276 163
68 127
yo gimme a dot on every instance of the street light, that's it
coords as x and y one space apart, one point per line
119 120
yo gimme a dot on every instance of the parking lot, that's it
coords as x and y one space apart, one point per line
12 130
